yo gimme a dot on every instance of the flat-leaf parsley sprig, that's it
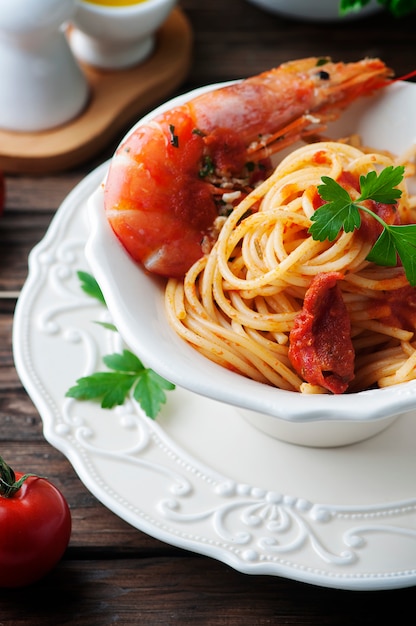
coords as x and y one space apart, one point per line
127 375
90 286
342 212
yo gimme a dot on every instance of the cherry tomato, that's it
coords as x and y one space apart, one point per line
35 527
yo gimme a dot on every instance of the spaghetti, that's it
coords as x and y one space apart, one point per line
238 304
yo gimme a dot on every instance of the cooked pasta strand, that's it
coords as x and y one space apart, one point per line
238 304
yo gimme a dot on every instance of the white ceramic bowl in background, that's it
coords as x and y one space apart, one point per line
115 37
135 301
314 10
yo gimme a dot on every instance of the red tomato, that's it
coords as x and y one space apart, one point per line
35 527
321 349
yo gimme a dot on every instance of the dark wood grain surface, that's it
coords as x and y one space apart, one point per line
111 572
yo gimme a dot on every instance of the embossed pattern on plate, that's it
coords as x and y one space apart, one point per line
200 477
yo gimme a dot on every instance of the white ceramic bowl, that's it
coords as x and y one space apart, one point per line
135 301
313 10
115 37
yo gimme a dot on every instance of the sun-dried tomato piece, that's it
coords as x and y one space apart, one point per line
321 349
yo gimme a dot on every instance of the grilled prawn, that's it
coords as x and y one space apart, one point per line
173 178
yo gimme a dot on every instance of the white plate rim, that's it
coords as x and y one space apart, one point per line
72 438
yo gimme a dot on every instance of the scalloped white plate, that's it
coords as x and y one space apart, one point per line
202 478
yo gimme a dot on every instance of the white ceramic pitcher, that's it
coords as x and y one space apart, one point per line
42 85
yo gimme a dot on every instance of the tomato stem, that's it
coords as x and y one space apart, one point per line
8 483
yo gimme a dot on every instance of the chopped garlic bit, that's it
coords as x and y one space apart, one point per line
209 240
312 118
261 142
229 197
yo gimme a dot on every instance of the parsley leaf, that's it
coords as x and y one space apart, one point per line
149 392
107 326
404 240
90 286
384 251
382 187
129 375
110 388
341 212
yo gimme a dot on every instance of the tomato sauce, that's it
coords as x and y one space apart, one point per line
321 349
402 305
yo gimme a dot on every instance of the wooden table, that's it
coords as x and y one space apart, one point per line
111 572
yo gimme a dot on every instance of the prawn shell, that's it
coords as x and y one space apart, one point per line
160 206
156 200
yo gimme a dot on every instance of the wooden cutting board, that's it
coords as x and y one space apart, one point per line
117 98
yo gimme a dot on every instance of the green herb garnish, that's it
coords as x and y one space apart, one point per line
397 7
208 168
128 375
174 139
341 212
90 286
